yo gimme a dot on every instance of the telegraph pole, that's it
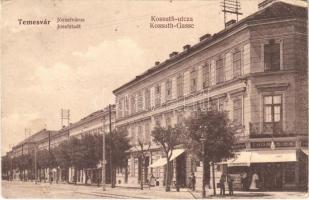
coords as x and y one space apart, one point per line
35 164
103 160
110 152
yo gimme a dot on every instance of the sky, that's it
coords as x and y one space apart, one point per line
44 69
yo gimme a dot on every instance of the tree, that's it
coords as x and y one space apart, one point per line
43 160
218 133
118 143
75 155
167 138
142 152
62 157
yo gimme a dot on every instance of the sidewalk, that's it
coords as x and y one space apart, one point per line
126 191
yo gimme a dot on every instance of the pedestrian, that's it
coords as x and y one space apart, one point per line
230 181
222 186
244 180
254 180
193 181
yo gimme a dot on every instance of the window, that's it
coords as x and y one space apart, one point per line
193 80
221 104
168 89
214 104
133 135
180 85
140 136
168 121
272 56
120 108
147 132
139 101
180 118
158 95
147 99
272 113
237 111
236 64
133 108
219 71
206 75
126 106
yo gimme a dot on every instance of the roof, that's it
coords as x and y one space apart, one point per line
94 115
278 10
41 135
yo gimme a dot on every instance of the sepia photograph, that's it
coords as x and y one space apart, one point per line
154 99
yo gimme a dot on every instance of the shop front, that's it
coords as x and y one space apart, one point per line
275 169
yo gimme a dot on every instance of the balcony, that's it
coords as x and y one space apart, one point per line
258 130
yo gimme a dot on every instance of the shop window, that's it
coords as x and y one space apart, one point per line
219 71
168 89
289 173
180 85
272 56
237 64
206 75
272 113
193 80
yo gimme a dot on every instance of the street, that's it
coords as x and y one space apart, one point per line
17 189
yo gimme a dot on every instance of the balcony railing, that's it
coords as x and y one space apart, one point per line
266 130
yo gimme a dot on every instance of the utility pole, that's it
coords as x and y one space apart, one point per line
35 163
103 160
231 7
203 139
110 152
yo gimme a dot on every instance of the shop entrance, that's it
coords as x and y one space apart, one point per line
271 176
181 170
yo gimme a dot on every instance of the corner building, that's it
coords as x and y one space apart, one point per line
256 71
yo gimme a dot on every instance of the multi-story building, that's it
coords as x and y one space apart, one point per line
256 70
28 146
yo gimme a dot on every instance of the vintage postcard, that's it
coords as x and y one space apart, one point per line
165 99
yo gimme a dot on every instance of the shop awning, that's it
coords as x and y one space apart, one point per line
306 151
273 156
162 161
241 159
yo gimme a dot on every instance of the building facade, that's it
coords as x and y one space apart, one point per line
256 71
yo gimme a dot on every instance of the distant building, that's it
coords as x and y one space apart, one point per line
256 70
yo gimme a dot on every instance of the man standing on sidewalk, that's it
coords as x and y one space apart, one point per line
222 186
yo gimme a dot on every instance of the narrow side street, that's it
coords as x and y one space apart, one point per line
17 189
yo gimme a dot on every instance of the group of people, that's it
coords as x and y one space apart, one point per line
245 181
229 180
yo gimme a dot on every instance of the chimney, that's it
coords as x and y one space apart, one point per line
265 3
186 47
204 37
157 62
174 53
229 23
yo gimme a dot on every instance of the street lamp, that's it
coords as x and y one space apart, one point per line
203 139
